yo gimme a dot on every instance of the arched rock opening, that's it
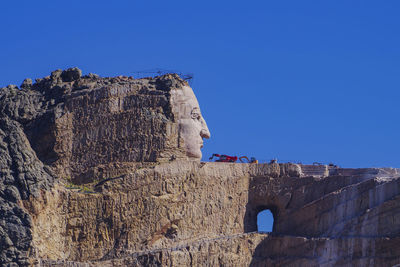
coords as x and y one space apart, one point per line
252 218
265 221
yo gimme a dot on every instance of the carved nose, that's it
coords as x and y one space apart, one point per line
205 133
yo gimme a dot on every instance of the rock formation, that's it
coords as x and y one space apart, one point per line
106 172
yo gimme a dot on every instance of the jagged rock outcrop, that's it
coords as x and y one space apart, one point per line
106 172
22 174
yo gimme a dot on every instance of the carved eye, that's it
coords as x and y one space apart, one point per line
196 114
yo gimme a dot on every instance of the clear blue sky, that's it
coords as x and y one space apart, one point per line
294 80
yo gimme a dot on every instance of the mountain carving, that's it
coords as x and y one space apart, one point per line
106 172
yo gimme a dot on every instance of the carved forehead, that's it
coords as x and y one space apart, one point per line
184 94
184 100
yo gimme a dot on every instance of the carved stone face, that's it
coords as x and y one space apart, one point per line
192 126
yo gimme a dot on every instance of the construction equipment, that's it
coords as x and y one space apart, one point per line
224 158
251 160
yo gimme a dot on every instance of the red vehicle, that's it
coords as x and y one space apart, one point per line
224 158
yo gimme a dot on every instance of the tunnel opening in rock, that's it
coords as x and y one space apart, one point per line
257 216
265 221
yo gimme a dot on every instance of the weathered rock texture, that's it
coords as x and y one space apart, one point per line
94 173
91 123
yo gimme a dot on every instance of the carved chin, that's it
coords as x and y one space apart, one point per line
193 152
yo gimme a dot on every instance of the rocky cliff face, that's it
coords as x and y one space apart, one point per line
96 172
